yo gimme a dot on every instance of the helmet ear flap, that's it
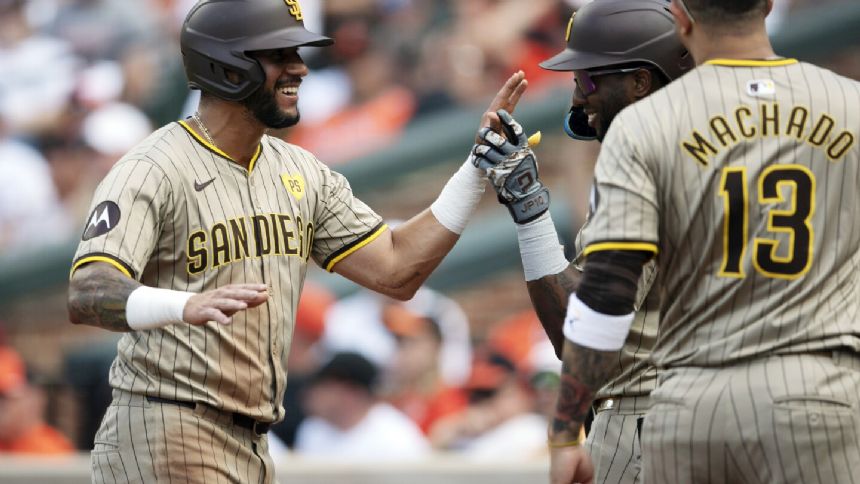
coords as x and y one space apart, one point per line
576 125
213 74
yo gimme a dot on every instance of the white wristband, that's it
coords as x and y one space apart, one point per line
587 327
459 197
540 251
152 307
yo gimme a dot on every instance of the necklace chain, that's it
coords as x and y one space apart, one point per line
203 128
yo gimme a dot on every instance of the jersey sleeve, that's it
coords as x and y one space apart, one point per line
343 223
125 219
625 203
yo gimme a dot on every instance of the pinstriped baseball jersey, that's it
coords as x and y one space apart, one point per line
634 375
743 176
177 213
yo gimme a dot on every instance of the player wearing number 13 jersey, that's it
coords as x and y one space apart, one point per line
742 178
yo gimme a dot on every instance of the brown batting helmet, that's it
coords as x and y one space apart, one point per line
607 33
218 34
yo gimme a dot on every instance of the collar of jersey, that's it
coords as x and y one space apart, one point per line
751 62
209 146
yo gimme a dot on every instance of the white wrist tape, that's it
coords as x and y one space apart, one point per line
540 251
459 197
151 307
586 327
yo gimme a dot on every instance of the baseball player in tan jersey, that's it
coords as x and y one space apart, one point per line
740 179
198 245
620 51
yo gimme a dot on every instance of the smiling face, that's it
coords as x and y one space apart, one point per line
275 103
612 94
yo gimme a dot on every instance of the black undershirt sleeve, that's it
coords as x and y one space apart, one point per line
610 279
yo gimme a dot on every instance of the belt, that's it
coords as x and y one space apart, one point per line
239 419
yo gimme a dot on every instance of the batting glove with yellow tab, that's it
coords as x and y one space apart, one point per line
512 170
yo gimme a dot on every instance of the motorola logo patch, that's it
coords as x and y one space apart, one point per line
103 219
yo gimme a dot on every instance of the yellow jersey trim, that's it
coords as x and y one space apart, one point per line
99 258
209 146
366 240
751 62
603 246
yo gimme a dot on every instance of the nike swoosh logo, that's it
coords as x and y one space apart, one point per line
200 186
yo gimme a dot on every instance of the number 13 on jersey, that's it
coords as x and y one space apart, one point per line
793 221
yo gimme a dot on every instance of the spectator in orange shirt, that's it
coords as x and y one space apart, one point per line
413 381
22 407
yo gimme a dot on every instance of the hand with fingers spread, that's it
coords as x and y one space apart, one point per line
460 196
507 98
512 169
221 304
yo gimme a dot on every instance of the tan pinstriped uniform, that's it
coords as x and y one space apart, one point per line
743 178
176 213
620 405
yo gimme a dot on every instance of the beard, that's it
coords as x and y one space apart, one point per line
614 101
263 106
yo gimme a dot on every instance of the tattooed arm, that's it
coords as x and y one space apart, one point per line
600 319
549 296
584 370
97 296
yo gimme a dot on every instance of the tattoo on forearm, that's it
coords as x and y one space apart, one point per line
97 297
583 372
549 297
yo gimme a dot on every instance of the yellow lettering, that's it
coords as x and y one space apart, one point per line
197 255
220 245
701 149
240 238
295 9
772 120
797 121
261 235
309 237
723 132
275 234
748 131
840 145
287 235
821 131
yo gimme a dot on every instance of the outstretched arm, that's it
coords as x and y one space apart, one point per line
399 261
102 296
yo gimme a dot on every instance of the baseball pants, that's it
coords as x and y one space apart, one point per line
787 419
144 441
613 441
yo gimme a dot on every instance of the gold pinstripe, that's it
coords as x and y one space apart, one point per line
751 62
99 258
603 246
214 148
354 248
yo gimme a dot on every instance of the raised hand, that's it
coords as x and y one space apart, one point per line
507 98
511 167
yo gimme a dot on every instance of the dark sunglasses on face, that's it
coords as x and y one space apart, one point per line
585 79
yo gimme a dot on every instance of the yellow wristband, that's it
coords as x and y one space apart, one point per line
573 443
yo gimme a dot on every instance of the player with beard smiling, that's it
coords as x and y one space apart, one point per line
198 245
